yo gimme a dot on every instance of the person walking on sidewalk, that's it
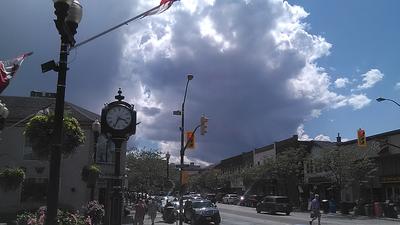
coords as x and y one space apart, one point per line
315 210
152 210
140 211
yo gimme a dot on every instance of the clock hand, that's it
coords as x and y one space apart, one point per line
115 124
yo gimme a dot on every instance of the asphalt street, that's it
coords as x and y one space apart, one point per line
238 215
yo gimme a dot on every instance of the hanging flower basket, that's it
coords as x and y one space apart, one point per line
11 179
39 132
90 174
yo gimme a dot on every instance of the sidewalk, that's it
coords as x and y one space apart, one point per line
350 216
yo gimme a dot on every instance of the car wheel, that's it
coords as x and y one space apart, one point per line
258 210
287 213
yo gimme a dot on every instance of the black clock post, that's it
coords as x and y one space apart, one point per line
118 122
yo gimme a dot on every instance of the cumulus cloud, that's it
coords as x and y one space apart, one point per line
303 136
255 73
341 82
322 137
370 78
397 86
359 101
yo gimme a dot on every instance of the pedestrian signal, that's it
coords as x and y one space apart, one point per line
190 139
361 139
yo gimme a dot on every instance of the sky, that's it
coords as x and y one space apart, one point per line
264 70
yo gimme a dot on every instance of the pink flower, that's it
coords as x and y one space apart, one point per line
88 220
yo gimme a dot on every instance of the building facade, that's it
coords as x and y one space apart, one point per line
16 152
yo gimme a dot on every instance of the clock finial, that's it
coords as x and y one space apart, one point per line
119 97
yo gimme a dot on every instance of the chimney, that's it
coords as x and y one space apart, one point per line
338 138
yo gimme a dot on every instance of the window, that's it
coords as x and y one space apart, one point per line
34 190
105 150
28 153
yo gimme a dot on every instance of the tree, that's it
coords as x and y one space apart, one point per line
147 171
345 166
207 181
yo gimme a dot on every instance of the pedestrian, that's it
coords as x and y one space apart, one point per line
140 211
315 210
152 210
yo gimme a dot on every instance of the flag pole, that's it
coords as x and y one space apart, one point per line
113 28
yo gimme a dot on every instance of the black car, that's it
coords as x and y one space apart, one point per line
273 204
250 200
200 212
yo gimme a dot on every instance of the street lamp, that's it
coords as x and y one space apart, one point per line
96 128
380 99
69 14
3 115
167 156
182 129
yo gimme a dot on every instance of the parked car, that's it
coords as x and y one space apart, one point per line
219 196
273 204
230 199
250 200
211 197
200 212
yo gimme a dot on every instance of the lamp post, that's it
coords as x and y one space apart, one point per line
3 115
182 152
380 99
167 156
96 128
69 14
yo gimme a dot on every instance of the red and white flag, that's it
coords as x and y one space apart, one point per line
8 69
164 5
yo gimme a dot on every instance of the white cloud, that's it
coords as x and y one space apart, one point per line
302 136
359 101
341 82
315 113
322 137
397 86
370 78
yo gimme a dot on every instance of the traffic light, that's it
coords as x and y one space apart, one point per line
361 139
203 125
190 139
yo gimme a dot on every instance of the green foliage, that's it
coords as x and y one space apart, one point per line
39 132
148 170
90 173
11 179
345 165
207 181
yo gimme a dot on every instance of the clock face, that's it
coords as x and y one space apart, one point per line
119 117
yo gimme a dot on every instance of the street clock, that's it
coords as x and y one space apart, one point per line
118 118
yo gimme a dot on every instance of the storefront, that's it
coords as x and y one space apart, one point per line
391 188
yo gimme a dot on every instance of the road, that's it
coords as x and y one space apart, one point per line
238 215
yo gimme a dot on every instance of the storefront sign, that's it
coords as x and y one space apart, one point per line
390 179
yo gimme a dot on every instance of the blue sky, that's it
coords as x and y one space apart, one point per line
364 35
263 70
